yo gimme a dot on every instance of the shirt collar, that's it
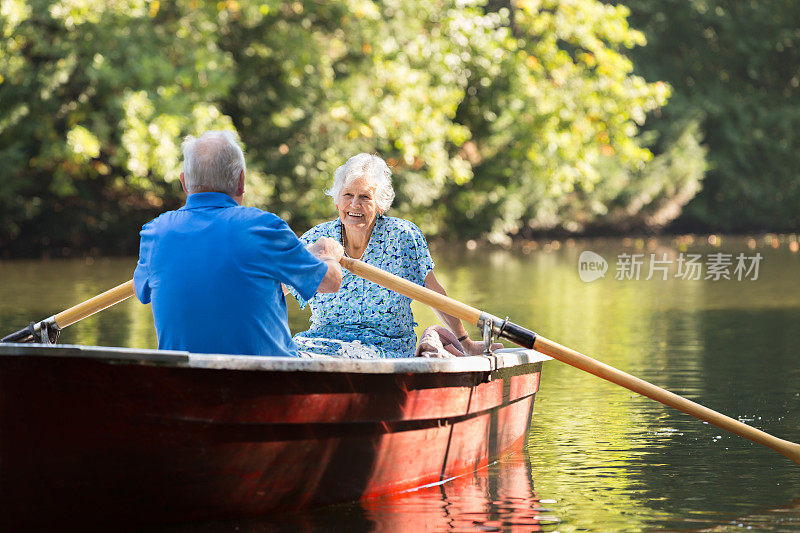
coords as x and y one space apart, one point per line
375 238
209 199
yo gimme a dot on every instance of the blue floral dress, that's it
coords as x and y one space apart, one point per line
363 319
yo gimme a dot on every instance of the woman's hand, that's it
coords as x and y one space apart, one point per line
472 347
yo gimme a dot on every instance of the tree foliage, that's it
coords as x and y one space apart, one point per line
735 69
494 117
556 125
94 99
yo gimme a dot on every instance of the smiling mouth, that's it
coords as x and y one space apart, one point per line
351 214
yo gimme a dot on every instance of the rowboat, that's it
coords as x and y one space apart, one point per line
91 433
95 434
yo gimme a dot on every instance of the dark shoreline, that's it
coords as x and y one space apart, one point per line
542 241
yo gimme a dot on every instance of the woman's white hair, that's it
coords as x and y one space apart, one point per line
212 162
374 170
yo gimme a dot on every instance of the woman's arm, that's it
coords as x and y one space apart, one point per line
454 324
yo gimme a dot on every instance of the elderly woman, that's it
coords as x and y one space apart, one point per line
362 319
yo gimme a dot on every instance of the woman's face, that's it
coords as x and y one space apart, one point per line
357 206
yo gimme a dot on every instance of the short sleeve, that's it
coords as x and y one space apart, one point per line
421 254
287 259
141 276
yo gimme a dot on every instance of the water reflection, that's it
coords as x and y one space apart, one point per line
499 497
784 519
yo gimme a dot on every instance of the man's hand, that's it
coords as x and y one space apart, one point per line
325 248
331 252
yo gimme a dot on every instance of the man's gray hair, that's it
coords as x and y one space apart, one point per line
212 162
368 166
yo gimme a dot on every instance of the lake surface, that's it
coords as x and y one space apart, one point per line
599 458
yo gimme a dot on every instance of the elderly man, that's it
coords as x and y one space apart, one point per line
213 269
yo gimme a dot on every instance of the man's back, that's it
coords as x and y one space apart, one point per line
213 270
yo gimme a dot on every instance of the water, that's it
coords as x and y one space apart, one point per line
599 458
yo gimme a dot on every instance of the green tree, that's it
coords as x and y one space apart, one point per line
555 125
496 118
734 69
319 82
94 99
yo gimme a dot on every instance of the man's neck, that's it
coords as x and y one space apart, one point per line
238 199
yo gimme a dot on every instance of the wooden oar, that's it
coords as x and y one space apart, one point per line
529 339
47 330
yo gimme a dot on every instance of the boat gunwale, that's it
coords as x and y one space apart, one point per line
505 358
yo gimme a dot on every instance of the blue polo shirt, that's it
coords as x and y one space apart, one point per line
213 272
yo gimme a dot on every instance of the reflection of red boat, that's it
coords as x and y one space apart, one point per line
497 498
170 436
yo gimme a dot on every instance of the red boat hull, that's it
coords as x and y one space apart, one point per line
138 439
